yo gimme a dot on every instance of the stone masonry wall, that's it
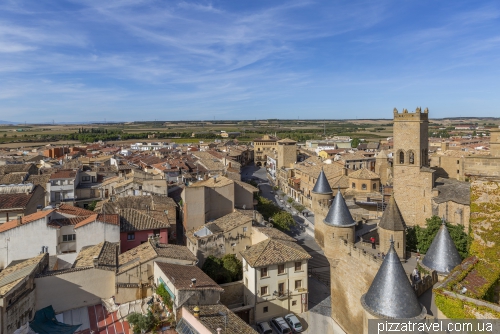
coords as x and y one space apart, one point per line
352 272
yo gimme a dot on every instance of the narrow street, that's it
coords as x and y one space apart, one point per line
318 265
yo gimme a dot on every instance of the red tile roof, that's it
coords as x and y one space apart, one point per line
181 275
74 210
25 220
112 219
11 201
63 174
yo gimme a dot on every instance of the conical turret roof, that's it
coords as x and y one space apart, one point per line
338 214
390 294
322 186
392 219
442 255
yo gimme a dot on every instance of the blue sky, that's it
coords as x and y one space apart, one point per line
199 60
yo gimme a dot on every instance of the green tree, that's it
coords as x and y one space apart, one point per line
165 296
92 205
141 322
355 142
283 220
214 268
290 200
233 266
421 238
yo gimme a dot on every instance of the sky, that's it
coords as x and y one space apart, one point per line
146 60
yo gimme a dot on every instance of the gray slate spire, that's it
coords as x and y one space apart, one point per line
390 294
338 214
322 186
391 218
442 255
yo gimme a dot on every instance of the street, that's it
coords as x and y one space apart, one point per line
318 265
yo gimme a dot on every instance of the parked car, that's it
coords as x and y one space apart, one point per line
264 328
294 323
280 326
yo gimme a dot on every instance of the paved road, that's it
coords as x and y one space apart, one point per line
319 267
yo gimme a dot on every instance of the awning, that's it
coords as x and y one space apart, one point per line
45 322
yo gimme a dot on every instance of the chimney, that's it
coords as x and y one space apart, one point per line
196 312
39 207
19 220
193 282
219 330
344 170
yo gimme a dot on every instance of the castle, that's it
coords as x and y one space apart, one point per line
364 286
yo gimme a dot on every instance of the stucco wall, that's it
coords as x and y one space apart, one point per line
242 197
140 237
194 207
21 312
74 289
26 241
95 233
219 201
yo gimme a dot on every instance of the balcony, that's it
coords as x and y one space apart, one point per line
281 295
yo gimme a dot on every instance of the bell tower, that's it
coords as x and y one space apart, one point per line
413 179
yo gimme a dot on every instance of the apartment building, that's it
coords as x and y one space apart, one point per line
275 278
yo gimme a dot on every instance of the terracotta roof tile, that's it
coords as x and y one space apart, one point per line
149 251
219 316
25 220
274 251
112 219
181 276
63 174
103 255
11 201
74 210
134 220
274 233
13 178
364 174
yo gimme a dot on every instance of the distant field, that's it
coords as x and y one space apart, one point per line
300 130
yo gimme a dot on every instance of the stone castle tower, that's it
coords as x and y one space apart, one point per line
322 195
413 179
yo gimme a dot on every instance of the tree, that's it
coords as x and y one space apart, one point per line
421 238
355 142
214 268
283 220
290 200
233 266
165 296
92 205
141 322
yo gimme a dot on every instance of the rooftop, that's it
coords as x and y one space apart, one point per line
213 182
274 251
135 220
391 218
11 276
103 256
219 316
364 174
274 233
149 251
452 190
339 214
63 174
322 186
442 255
181 275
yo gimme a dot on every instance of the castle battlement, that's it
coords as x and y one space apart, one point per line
357 252
417 115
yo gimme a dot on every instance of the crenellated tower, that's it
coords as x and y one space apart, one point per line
413 180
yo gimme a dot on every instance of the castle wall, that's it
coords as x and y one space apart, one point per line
352 272
482 165
399 241
413 192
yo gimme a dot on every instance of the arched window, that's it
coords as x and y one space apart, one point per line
374 186
363 186
401 157
353 185
411 157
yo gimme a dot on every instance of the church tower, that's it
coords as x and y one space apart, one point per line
413 179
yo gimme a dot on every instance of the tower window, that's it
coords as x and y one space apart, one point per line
363 186
401 157
353 185
374 186
458 162
411 158
458 171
